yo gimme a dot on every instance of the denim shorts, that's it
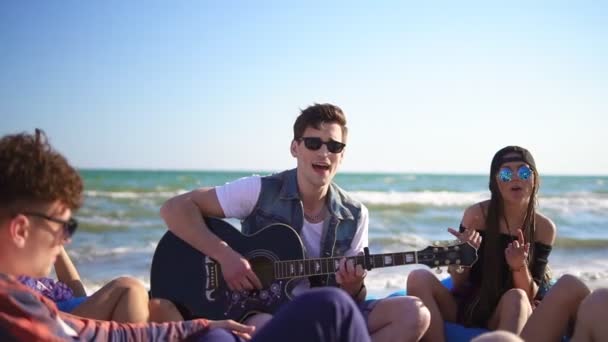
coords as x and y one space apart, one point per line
70 304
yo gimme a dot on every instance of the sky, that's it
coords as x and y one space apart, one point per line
427 87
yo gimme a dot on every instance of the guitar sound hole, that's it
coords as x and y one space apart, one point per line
263 268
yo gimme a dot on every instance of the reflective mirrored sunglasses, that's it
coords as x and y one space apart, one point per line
506 175
69 226
315 143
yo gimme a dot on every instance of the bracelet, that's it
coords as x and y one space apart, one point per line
517 269
359 292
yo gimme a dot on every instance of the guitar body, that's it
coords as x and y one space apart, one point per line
194 281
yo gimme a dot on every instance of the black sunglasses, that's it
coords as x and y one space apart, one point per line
315 143
69 226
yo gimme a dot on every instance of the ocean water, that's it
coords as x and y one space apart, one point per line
120 224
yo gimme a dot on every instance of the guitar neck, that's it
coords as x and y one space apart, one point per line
323 266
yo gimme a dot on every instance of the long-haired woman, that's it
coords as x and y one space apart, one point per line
514 242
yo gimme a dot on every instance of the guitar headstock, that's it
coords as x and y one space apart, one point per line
448 253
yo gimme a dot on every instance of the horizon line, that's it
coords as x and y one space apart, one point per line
347 172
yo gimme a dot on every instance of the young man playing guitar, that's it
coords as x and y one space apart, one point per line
329 222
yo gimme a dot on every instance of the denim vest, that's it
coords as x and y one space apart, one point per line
279 202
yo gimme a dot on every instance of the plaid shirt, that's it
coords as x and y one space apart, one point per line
28 316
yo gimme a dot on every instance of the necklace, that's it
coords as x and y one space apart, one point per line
513 237
320 216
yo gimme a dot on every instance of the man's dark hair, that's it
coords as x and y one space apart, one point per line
315 115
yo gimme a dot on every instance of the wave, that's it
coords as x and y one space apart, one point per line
421 198
577 201
416 241
134 194
414 201
102 223
572 243
89 252
403 241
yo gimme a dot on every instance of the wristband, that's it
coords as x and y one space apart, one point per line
517 269
359 292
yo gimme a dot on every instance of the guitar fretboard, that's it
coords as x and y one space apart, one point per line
309 267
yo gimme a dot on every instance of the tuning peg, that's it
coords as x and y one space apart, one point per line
459 269
438 270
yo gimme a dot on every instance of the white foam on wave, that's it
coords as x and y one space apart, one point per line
88 252
133 194
428 198
566 203
575 202
114 222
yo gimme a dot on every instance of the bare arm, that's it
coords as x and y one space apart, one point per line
91 329
473 219
184 214
522 278
67 273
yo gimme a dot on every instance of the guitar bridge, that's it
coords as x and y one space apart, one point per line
211 278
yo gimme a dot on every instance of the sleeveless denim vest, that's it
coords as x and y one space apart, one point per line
279 202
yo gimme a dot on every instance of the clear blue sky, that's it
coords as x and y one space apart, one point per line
434 87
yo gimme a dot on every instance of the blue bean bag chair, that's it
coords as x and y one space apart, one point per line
453 332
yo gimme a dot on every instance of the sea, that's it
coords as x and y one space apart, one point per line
120 224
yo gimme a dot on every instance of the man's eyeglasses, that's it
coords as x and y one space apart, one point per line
69 226
315 143
506 174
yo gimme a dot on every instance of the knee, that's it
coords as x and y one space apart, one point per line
420 280
163 309
517 300
497 336
572 287
419 313
595 305
128 284
407 312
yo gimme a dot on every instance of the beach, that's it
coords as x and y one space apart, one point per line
120 224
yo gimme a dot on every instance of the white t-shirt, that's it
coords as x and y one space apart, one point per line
238 199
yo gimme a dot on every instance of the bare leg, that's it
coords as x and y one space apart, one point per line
437 298
162 310
512 312
497 336
591 319
398 319
123 300
559 307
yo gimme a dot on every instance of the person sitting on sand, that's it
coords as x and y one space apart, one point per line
329 221
514 242
124 299
39 191
569 309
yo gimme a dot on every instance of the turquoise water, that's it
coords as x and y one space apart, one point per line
120 225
